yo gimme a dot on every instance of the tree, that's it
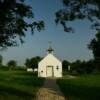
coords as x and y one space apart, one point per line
1 59
14 12
82 10
90 66
34 62
95 46
78 67
13 24
79 10
27 63
65 65
12 64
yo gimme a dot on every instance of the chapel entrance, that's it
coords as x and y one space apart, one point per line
49 71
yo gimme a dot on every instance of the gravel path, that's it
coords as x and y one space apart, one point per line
50 91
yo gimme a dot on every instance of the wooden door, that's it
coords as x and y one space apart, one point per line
49 71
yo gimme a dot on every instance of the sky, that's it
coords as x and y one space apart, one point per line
69 46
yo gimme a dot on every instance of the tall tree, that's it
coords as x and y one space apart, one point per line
1 59
65 65
13 24
79 10
34 61
95 46
82 10
27 63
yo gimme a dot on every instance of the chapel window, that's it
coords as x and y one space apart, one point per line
57 67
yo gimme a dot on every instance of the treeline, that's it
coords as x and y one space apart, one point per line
81 67
76 67
12 64
33 62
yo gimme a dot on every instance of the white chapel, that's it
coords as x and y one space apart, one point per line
50 66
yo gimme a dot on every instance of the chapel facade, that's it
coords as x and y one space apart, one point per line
50 66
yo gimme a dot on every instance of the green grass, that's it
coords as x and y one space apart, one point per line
19 85
86 87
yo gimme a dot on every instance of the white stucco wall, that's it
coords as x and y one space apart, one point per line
50 60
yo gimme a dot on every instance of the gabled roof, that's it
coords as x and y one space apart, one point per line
48 56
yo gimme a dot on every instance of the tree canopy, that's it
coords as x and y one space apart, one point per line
27 63
13 13
79 10
1 60
65 65
32 62
82 10
12 64
12 22
95 46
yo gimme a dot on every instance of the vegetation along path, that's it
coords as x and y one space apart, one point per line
50 91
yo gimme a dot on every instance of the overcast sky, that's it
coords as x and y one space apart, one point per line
69 46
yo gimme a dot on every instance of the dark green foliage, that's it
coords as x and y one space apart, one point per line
78 67
65 64
82 88
33 62
17 68
79 10
4 68
90 66
95 46
27 63
85 67
82 10
13 24
1 60
96 64
12 64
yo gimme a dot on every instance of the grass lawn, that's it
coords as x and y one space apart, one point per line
85 87
19 85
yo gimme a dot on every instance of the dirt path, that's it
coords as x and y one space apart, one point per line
50 91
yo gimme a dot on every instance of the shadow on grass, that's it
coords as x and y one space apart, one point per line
80 92
19 85
13 91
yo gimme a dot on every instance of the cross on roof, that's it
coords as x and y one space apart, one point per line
50 50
